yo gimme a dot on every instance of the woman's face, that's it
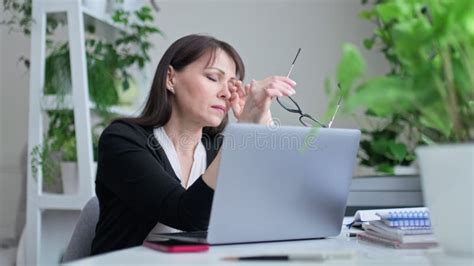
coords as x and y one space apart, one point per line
201 89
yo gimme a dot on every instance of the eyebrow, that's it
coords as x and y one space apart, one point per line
220 70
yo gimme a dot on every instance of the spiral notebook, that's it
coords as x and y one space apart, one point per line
380 227
394 217
399 228
406 218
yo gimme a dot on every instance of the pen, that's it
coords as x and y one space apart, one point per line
295 257
351 234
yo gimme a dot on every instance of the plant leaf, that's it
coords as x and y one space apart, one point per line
383 96
398 150
351 67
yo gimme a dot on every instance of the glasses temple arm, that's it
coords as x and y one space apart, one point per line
335 112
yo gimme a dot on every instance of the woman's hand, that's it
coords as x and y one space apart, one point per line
252 103
238 97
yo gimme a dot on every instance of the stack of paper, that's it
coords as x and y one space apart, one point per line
400 229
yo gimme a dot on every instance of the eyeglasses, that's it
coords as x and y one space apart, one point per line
292 106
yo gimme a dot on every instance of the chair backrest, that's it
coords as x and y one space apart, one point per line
80 244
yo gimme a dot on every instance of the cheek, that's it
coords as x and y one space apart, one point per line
195 99
201 94
192 102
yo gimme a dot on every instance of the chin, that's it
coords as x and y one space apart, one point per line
213 121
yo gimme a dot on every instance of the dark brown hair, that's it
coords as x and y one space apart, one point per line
180 54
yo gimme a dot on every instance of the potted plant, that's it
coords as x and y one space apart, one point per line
61 139
386 148
434 91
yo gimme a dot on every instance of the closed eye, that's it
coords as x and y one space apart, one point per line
211 78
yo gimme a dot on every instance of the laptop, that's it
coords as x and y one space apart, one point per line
279 183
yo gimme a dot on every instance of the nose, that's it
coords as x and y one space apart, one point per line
224 93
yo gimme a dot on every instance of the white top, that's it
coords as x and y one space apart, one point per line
198 168
199 159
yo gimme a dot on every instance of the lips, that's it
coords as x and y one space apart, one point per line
221 108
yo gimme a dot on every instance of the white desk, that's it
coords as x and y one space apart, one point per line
366 254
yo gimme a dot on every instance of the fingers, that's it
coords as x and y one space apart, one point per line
286 80
283 88
247 88
282 84
240 89
275 86
235 104
274 93
232 87
236 86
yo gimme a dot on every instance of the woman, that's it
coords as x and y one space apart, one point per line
160 168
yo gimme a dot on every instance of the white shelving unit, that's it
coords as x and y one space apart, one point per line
51 103
40 227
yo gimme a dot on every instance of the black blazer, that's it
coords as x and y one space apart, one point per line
137 188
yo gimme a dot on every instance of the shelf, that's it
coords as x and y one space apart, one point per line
65 207
49 201
386 183
50 102
384 199
105 18
385 191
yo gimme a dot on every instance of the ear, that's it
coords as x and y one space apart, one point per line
170 79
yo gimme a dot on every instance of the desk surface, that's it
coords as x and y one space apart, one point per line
365 254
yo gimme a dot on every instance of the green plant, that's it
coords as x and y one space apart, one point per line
432 86
17 17
59 144
61 134
386 143
107 61
132 47
382 148
41 157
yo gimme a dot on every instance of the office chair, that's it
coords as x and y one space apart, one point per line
80 244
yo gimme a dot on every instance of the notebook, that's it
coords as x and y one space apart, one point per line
406 218
406 214
394 243
365 216
399 228
381 226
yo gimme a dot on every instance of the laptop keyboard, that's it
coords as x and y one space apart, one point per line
194 234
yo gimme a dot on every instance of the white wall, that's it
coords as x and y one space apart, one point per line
1 95
13 121
2 224
266 33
